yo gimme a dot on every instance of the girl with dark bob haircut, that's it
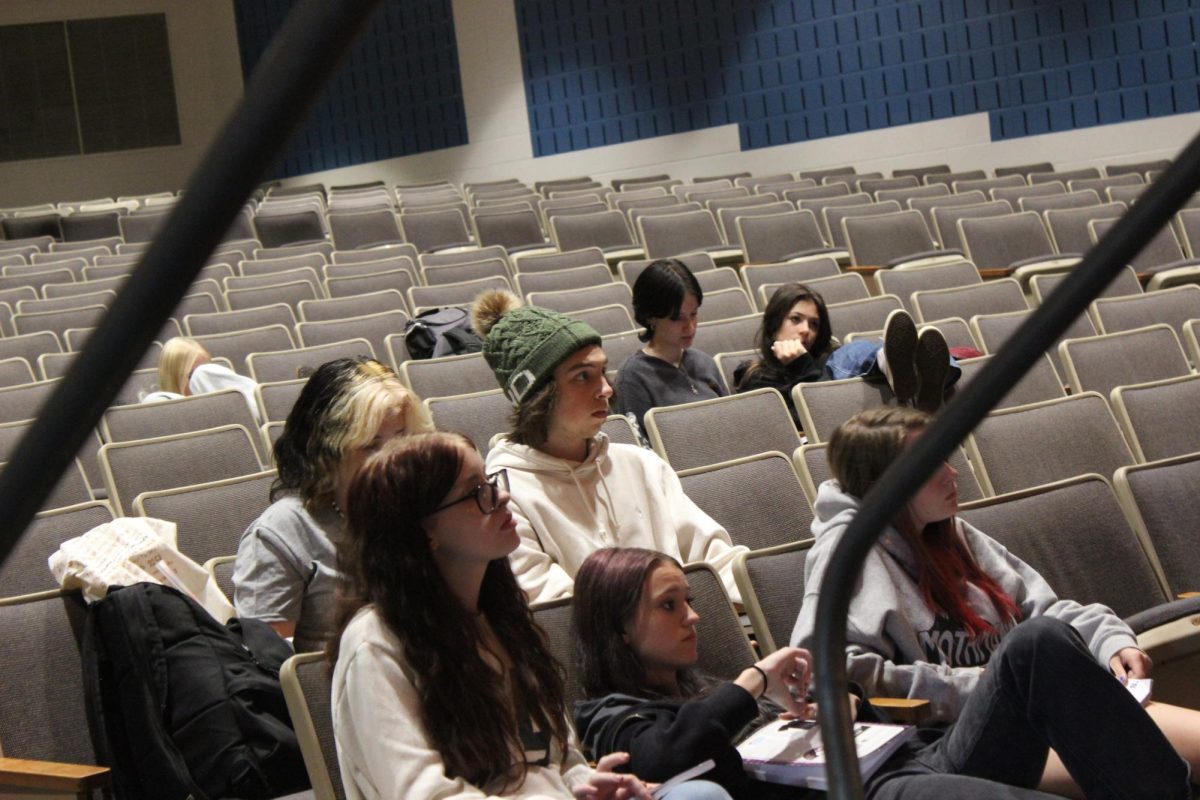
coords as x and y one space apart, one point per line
636 645
286 567
667 371
795 344
938 601
442 683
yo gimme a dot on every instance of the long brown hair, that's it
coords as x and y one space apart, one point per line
860 450
386 560
781 303
608 590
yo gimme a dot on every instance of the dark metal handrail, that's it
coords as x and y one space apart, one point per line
909 472
285 83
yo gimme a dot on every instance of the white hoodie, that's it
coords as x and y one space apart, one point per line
620 496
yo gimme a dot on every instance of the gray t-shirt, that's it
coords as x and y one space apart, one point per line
286 570
646 382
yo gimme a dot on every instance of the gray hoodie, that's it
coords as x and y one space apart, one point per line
897 647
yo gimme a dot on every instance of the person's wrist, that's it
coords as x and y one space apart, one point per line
765 682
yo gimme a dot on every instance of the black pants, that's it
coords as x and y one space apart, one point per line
1042 689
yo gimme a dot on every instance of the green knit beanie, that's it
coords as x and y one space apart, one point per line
524 344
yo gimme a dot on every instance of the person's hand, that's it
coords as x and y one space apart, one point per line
787 673
788 350
1130 663
608 785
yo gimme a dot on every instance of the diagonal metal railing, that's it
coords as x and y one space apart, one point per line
1153 209
287 80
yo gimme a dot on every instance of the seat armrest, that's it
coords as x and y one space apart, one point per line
53 775
905 710
1163 613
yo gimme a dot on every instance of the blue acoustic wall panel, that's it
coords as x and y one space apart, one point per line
600 72
398 93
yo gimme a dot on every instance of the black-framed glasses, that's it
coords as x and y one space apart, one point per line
487 494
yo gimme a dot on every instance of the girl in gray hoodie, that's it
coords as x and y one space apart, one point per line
936 597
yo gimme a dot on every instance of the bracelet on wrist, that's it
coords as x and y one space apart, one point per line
764 677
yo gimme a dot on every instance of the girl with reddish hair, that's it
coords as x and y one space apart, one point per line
937 598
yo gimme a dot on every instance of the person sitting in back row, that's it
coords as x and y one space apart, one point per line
186 368
668 370
574 491
795 344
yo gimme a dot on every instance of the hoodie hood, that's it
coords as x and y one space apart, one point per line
833 512
593 492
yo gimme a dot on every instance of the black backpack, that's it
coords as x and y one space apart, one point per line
181 706
441 332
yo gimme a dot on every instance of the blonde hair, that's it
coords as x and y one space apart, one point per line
341 408
179 358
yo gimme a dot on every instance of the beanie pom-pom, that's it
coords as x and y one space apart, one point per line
490 307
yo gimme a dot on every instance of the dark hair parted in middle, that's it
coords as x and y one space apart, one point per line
782 301
386 560
659 292
608 589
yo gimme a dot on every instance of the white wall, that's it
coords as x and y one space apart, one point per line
500 147
208 82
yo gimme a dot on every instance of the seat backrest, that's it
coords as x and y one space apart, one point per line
993 330
375 328
554 618
291 293
276 398
604 229
619 430
15 371
58 321
823 405
241 320
903 282
400 280
166 462
354 229
771 581
1000 241
990 297
1125 283
1039 204
838 288
667 235
1041 382
1174 306
1075 534
561 279
1015 448
727 335
856 316
260 267
726 304
1161 251
1158 418
450 294
737 425
353 306
24 401
714 280
355 269
724 649
448 376
284 365
1069 226
195 413
24 571
1162 499
471 271
210 517
279 229
591 297
1066 176
1102 363
564 259
880 240
757 499
606 320
834 215
307 689
30 346
758 275
509 229
926 205
42 712
480 415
